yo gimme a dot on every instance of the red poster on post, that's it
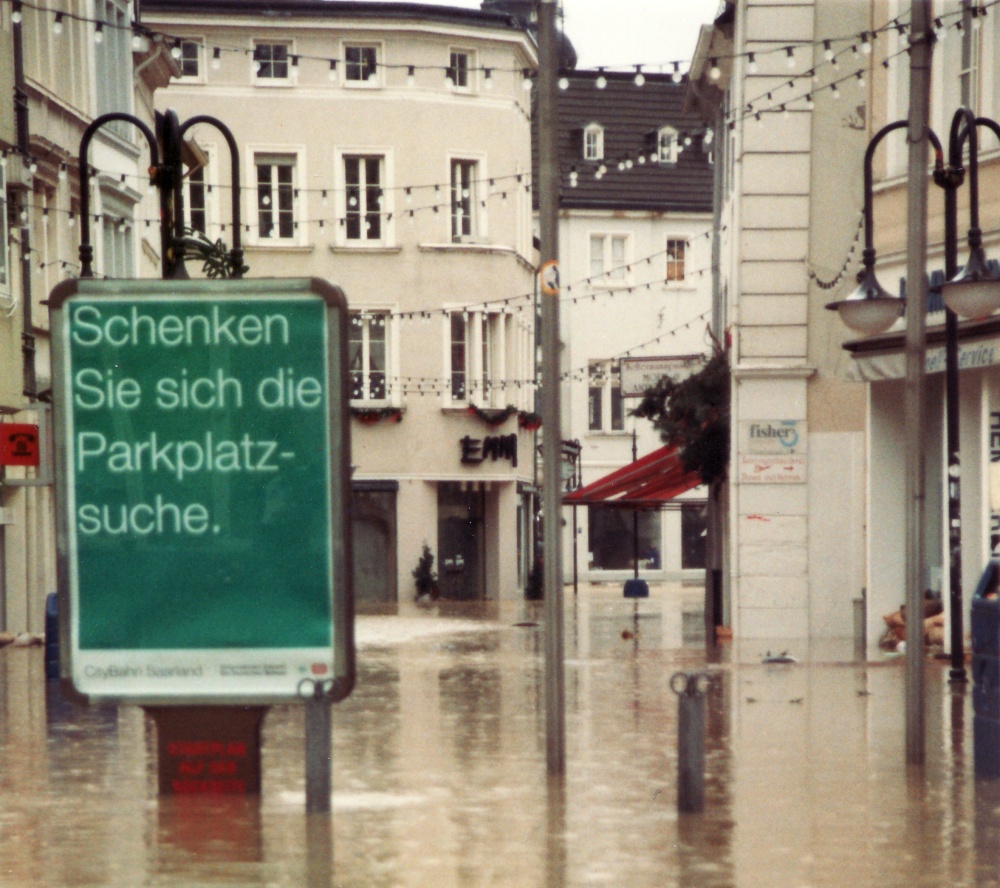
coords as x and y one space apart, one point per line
18 444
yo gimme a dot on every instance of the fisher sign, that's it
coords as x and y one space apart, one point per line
203 488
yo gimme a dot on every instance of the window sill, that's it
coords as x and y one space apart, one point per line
379 249
274 83
613 433
282 248
464 248
615 285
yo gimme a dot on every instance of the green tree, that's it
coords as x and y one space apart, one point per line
693 414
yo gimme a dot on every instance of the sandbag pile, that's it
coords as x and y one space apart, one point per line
933 625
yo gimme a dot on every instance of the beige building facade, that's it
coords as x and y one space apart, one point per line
791 128
387 149
63 64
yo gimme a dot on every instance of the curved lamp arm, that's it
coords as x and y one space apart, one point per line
86 249
236 254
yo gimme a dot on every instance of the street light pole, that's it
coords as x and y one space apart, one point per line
916 318
548 217
973 292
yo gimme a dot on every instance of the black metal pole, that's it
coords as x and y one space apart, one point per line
951 181
86 248
236 253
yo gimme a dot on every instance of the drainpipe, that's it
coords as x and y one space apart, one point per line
24 147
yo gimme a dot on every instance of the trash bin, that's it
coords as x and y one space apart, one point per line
985 631
51 636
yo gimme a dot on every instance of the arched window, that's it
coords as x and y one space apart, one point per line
667 145
593 142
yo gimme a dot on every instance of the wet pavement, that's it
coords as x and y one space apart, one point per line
440 779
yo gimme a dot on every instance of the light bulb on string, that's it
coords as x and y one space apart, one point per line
714 71
332 73
563 83
216 59
99 32
601 80
639 78
790 56
676 75
16 16
827 51
752 66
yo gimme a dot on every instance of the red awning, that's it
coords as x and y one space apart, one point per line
646 483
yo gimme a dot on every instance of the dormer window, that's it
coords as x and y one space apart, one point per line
667 145
593 142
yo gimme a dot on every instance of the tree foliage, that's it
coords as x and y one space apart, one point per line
693 415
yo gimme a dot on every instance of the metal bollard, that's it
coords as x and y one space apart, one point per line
690 689
318 745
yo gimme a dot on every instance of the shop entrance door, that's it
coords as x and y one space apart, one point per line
461 543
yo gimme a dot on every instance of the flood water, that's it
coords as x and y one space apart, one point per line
440 778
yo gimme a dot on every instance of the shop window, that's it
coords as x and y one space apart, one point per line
694 533
611 533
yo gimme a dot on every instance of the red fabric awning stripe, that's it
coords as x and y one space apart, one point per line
647 482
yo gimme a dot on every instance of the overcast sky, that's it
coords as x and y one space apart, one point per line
622 33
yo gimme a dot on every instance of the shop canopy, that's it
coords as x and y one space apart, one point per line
647 483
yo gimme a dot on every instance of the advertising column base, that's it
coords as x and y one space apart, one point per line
208 750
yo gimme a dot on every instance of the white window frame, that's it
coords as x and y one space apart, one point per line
470 69
300 233
673 263
270 82
667 145
387 208
479 189
368 315
604 378
116 207
488 359
614 273
372 81
112 71
199 59
208 183
593 142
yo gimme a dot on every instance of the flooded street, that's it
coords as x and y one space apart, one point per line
439 770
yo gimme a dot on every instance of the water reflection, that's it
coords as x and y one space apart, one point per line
439 771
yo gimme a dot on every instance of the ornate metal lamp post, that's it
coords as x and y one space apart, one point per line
974 292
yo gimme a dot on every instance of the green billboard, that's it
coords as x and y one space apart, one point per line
202 488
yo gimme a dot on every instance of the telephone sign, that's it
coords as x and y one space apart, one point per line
18 444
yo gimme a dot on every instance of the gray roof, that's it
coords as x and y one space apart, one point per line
629 115
333 9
